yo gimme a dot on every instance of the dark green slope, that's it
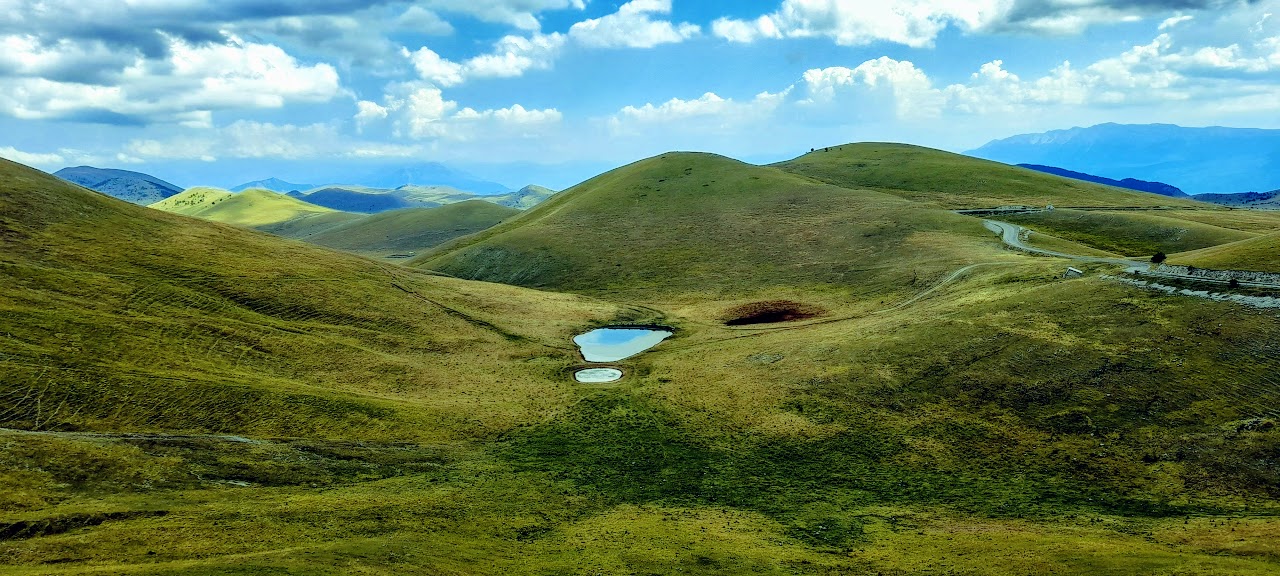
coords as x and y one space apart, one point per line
409 230
707 226
117 317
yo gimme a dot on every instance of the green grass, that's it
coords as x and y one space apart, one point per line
1258 254
251 208
659 228
399 422
948 180
412 229
1129 233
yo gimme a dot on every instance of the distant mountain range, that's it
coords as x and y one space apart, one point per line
1196 160
1256 200
1130 183
134 187
363 199
428 174
272 184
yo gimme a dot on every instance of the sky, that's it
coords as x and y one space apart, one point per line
219 92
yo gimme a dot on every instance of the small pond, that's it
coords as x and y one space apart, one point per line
598 375
613 344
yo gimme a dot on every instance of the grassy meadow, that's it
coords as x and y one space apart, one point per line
186 397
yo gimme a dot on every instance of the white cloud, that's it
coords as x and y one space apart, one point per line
511 57
433 68
422 112
186 87
1175 20
709 112
368 112
31 158
422 21
917 23
519 13
910 22
631 26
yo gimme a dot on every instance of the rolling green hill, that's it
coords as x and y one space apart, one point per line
1260 254
662 227
1130 233
409 230
251 208
180 396
953 181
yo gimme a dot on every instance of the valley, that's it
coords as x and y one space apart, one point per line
854 374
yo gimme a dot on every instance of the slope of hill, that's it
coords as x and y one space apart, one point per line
134 187
272 184
1128 183
1130 233
524 198
184 397
1198 160
408 230
954 181
1254 200
661 226
1260 254
250 208
354 201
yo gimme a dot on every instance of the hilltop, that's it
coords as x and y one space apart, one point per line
185 396
831 218
134 187
950 180
405 231
662 226
249 208
273 184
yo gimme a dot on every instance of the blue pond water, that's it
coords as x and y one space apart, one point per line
613 344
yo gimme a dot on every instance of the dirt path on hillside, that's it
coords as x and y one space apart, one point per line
1011 235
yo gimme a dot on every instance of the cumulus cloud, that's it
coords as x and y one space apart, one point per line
632 26
707 112
422 112
31 158
1154 73
186 87
511 56
917 23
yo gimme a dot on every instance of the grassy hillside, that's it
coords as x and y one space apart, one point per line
953 181
662 227
179 396
1130 233
250 208
1260 254
412 229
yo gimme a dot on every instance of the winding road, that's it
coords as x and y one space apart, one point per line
1011 235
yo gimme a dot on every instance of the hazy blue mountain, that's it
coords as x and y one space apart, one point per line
134 187
1256 200
273 184
429 174
353 201
1130 183
1197 160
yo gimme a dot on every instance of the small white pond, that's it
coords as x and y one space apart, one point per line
598 375
613 344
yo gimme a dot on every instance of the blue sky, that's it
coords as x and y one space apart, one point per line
553 91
